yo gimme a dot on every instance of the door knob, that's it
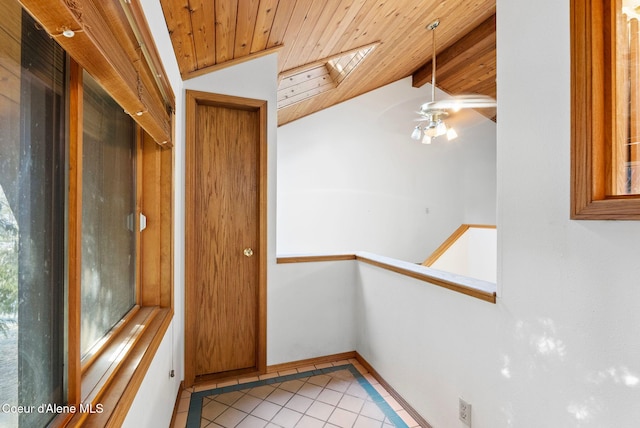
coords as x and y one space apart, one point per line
248 252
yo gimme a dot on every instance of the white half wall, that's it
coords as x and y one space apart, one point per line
311 310
350 178
560 349
432 345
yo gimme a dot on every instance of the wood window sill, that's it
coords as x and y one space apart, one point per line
110 384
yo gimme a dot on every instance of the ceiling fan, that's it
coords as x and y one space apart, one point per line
433 113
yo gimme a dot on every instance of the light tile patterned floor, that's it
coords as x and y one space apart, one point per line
340 394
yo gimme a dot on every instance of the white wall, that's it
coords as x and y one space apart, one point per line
154 402
570 288
311 310
473 254
561 348
350 177
432 345
310 313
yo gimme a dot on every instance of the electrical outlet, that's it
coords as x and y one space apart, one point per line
464 411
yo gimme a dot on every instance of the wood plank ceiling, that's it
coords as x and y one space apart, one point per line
210 34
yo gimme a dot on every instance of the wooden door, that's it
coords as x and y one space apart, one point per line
225 240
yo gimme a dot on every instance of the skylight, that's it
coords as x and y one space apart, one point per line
313 79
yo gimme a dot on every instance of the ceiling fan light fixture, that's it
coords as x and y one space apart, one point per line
417 133
431 131
435 112
426 139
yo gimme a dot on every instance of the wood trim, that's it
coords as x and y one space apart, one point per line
167 190
318 258
271 370
156 254
120 390
149 240
446 245
450 285
192 100
593 114
148 47
74 367
226 376
191 103
451 240
405 405
261 351
104 364
229 63
94 353
139 195
104 46
310 362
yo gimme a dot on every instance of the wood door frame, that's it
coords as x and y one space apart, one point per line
193 100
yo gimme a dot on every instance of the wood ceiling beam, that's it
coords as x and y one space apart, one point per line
456 80
478 41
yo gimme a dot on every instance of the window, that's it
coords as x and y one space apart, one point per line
85 297
605 109
108 209
32 219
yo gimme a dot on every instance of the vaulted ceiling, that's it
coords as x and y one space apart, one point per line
315 39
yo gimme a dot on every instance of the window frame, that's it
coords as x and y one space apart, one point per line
593 114
109 380
107 386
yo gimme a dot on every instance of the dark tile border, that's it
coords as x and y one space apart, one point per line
195 404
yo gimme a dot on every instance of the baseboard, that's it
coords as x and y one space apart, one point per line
310 362
406 406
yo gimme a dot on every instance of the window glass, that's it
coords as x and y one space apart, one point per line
32 218
108 210
626 156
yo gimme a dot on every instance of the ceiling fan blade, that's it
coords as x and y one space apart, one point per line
459 102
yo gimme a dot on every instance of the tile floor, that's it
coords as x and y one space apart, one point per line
339 394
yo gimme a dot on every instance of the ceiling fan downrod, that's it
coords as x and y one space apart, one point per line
432 27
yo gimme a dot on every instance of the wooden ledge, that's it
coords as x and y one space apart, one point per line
124 368
479 289
315 258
